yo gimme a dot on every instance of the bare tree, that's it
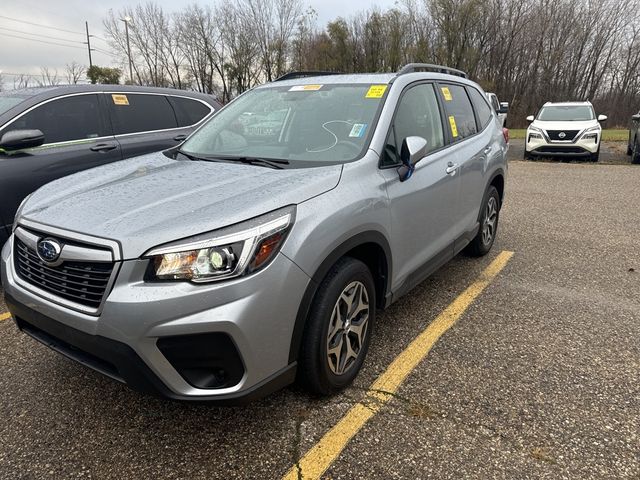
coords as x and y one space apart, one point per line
74 72
48 77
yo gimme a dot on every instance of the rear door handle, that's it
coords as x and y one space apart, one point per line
180 138
104 147
451 168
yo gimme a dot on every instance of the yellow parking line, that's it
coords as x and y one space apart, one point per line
320 457
4 316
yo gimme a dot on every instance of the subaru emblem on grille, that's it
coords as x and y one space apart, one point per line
562 135
49 250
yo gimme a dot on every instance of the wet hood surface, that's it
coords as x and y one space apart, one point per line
151 200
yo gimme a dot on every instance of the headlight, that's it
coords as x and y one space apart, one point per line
591 134
231 252
534 129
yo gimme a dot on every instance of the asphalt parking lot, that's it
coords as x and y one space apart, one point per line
538 378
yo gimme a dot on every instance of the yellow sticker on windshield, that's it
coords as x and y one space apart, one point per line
454 127
305 88
447 94
119 99
376 91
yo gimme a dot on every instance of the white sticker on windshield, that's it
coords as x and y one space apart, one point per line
305 88
358 130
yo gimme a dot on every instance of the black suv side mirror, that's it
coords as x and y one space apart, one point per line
413 150
504 107
636 116
19 139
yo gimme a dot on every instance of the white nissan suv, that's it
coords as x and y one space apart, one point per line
567 129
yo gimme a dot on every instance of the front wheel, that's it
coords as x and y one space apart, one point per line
489 216
338 330
594 157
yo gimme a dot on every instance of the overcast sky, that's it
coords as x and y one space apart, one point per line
19 55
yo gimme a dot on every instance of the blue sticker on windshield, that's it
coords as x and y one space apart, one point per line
358 130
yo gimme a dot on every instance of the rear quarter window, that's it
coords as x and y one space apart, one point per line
482 108
135 113
188 111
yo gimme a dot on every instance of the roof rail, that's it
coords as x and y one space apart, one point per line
416 67
293 75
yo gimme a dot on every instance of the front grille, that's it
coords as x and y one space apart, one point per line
560 150
569 135
84 283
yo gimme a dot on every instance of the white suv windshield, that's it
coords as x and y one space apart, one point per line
566 113
314 123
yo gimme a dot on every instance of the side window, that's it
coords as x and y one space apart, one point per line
188 111
418 114
64 119
483 110
460 117
494 103
133 113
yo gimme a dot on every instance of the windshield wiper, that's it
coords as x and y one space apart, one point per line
248 160
258 161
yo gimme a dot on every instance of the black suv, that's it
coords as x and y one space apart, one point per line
48 133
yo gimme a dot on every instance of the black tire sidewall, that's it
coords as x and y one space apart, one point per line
315 370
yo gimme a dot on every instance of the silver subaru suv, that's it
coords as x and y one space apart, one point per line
259 250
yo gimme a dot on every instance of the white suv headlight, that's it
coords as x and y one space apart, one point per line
230 252
591 134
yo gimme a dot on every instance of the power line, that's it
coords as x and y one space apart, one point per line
38 35
40 25
42 41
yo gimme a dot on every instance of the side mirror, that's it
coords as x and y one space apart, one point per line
413 150
530 118
504 107
602 118
635 117
19 139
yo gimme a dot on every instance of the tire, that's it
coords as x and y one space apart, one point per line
321 371
635 154
526 156
482 243
629 150
594 157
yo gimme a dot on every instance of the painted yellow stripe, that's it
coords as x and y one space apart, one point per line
320 457
4 316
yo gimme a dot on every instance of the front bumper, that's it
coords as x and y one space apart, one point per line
256 312
545 148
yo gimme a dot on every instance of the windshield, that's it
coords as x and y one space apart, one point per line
566 113
306 123
7 103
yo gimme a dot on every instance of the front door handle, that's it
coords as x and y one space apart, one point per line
180 138
487 150
104 147
451 168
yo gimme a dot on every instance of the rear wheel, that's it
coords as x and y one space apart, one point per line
635 154
338 330
489 216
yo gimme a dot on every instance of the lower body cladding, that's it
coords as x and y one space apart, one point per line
580 149
226 341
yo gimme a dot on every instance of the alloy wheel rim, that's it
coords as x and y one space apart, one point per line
347 328
490 219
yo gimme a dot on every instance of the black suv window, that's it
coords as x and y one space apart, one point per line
64 119
133 113
462 122
188 111
482 108
418 114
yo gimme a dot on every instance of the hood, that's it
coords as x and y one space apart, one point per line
578 125
151 200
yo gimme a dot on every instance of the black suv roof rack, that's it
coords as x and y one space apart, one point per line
427 67
293 75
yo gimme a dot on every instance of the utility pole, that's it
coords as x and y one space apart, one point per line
126 21
88 42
